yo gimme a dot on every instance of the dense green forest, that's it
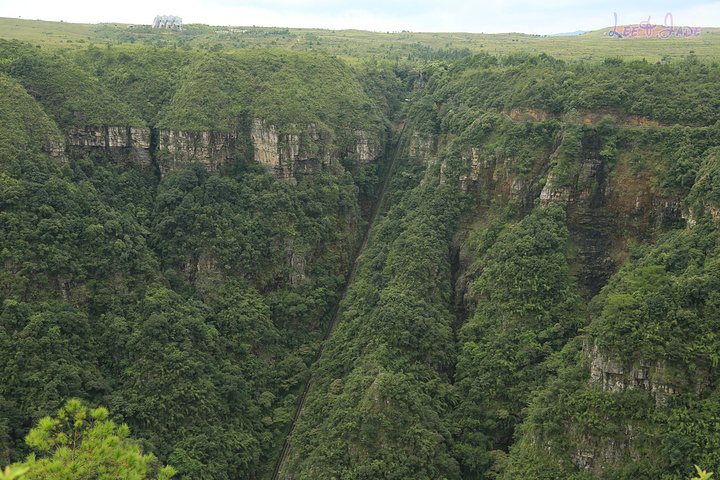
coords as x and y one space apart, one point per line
473 267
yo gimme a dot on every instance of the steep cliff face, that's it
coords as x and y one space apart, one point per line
636 396
55 147
289 156
492 174
367 146
593 455
609 373
284 154
120 144
660 379
607 206
536 115
176 149
422 146
589 219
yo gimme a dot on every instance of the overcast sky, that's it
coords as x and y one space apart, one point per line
535 17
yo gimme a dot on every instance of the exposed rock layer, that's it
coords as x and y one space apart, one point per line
121 144
288 156
604 211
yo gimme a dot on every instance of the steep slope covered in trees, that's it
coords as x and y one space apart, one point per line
378 402
192 304
566 184
548 203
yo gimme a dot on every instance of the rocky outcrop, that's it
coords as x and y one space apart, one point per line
476 167
55 147
141 144
176 149
266 141
291 155
521 115
658 378
422 146
603 211
552 194
288 155
298 266
588 219
120 144
639 205
607 207
367 147
528 114
494 173
691 216
593 454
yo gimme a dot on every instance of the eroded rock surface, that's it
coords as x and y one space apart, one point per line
289 155
121 144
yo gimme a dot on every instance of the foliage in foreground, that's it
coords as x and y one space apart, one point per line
85 444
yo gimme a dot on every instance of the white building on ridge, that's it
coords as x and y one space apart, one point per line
167 21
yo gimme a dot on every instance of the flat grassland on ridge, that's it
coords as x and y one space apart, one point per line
410 47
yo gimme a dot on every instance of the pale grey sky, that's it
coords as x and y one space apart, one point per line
537 17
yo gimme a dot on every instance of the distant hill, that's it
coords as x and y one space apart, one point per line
568 34
413 48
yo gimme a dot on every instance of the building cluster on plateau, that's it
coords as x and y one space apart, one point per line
167 21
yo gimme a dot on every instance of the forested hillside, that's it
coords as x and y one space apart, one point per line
192 304
536 298
490 361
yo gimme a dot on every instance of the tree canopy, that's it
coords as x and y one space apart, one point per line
85 444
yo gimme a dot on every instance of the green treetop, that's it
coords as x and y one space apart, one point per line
84 444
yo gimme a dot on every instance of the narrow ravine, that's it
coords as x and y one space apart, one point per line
285 452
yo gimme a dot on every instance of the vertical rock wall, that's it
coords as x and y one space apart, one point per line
120 144
604 210
288 156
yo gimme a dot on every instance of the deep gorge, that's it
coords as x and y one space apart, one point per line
537 297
